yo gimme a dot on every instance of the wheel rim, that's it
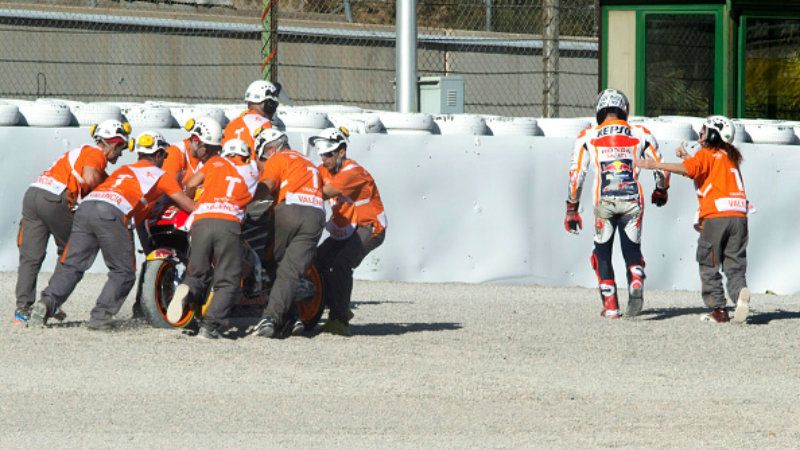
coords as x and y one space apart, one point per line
308 310
165 288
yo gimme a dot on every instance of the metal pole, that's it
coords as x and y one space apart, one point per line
406 56
348 11
550 57
488 15
269 41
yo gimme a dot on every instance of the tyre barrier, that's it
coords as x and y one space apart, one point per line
183 114
796 127
459 124
667 130
357 123
740 134
770 132
90 113
295 118
569 128
406 123
695 122
46 114
149 116
9 114
513 126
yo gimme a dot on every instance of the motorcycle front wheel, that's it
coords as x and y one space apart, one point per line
158 285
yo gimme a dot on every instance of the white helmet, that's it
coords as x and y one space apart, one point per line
329 139
235 147
208 130
109 129
148 142
611 98
260 91
266 136
723 126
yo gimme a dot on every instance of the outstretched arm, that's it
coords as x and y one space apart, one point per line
651 152
656 165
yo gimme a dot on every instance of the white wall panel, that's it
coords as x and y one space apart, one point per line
477 209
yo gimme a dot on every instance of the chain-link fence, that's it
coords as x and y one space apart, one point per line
497 46
329 51
126 53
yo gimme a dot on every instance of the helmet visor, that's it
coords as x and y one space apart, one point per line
321 145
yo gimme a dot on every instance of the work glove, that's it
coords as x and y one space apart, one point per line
659 197
573 222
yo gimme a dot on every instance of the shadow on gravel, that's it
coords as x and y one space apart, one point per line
116 325
378 302
65 324
669 313
757 318
394 329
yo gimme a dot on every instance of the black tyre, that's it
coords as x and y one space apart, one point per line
157 286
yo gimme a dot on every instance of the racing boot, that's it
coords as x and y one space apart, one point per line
635 290
608 294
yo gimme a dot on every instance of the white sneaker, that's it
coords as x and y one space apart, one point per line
742 306
175 308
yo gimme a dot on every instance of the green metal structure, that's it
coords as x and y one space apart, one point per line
740 58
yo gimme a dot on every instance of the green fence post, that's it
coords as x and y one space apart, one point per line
269 41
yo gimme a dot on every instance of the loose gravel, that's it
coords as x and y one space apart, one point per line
429 366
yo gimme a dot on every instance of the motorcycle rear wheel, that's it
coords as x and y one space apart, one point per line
158 285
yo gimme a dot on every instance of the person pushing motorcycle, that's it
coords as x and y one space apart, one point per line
229 181
186 157
262 103
299 218
49 202
357 225
103 222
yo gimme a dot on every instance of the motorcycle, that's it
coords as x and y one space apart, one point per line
165 267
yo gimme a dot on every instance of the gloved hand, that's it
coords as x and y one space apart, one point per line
659 197
573 222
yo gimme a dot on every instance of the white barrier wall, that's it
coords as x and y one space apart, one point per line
490 208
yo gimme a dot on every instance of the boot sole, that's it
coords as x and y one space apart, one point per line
38 318
175 307
635 303
742 307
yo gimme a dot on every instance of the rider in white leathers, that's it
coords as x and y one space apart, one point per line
611 148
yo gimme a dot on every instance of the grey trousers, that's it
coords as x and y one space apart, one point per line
337 260
722 245
220 241
43 214
297 232
97 227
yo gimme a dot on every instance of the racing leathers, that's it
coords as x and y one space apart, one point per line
611 148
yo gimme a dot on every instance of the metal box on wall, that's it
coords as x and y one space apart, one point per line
441 95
